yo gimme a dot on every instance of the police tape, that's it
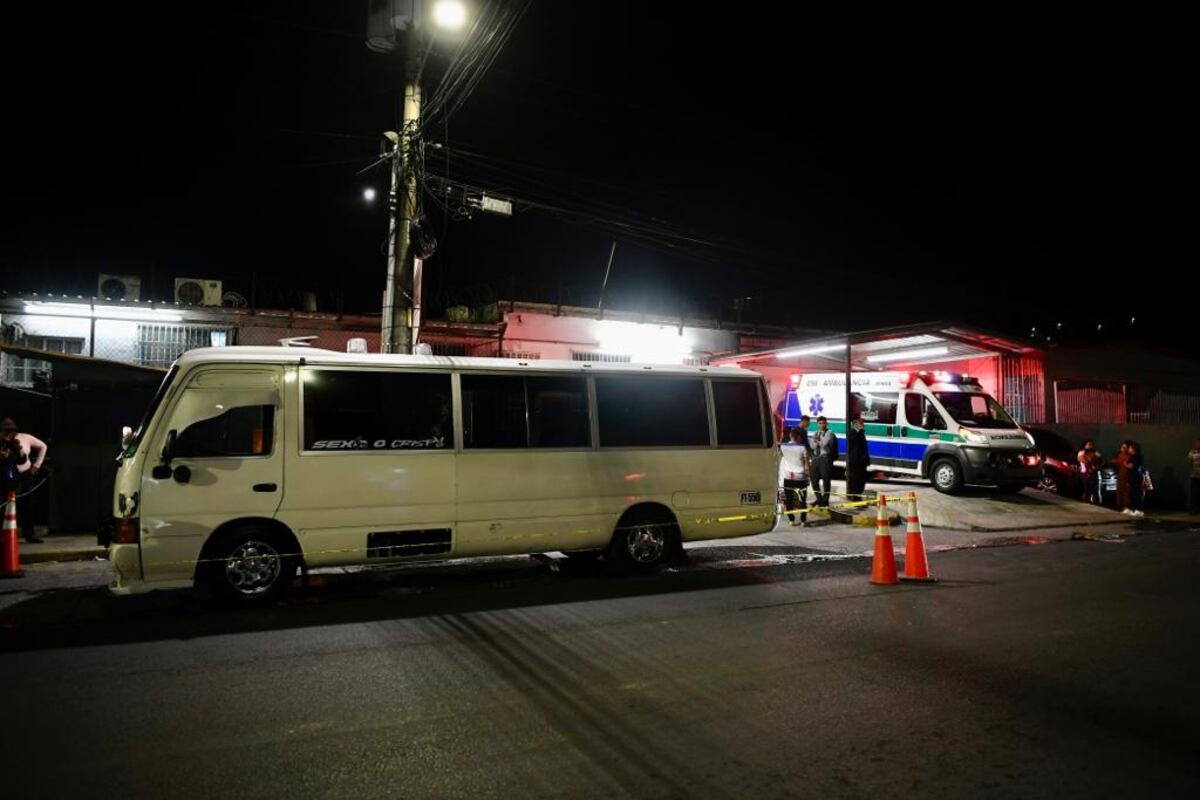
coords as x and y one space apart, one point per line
389 559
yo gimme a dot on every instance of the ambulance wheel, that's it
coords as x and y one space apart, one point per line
946 475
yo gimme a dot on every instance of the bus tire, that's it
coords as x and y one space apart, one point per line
252 565
946 475
643 541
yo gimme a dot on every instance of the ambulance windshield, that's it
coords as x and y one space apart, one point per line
978 410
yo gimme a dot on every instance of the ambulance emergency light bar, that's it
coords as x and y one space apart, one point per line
950 378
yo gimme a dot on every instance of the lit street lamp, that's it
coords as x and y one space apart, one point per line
449 14
369 194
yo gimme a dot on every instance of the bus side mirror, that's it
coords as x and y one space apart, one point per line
168 451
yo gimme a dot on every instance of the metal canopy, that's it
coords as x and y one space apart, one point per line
889 348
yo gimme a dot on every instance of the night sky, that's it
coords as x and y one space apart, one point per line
850 172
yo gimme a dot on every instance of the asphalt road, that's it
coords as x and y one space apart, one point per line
1059 670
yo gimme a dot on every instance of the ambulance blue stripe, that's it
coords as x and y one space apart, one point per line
887 448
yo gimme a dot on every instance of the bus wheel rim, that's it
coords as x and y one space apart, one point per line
646 544
252 567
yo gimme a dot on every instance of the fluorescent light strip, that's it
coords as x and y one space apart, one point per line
103 312
909 354
808 351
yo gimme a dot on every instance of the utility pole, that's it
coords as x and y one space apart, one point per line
399 329
399 25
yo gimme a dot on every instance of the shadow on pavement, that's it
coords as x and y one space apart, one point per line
92 616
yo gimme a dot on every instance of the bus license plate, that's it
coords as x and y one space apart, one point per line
751 498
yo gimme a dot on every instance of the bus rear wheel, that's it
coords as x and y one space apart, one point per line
643 542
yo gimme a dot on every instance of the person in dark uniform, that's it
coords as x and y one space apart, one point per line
825 449
856 460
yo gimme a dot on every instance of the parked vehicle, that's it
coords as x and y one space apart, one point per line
940 426
255 462
1060 468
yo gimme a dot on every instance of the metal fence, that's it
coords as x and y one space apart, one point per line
1023 388
1090 402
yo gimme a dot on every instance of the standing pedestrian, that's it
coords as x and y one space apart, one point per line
805 421
34 450
1137 477
794 468
1089 471
856 460
1194 491
1121 462
825 449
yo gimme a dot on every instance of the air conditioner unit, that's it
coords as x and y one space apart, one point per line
119 287
197 292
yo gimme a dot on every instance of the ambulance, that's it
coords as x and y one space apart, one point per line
940 426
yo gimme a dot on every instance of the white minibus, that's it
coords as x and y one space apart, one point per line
254 463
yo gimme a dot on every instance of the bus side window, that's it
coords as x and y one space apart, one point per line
238 433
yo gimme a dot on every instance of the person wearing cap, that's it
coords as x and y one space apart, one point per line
33 451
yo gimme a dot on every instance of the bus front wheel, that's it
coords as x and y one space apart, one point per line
252 566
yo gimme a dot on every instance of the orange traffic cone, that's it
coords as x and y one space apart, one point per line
916 567
883 568
10 556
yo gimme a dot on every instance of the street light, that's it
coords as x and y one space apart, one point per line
369 194
449 14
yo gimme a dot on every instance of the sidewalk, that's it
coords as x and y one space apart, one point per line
62 547
839 539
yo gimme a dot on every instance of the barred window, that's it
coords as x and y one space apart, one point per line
160 345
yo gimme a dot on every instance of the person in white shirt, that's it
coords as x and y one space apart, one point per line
35 453
794 470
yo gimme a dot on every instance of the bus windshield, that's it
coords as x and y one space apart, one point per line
135 439
978 410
